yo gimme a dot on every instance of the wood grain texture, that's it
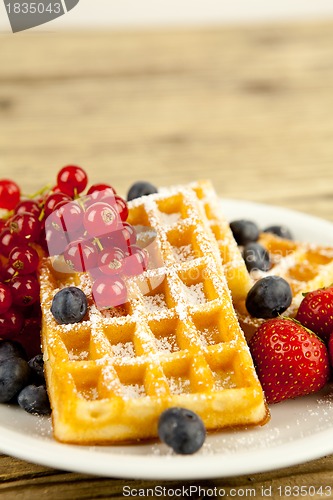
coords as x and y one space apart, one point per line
248 107
24 481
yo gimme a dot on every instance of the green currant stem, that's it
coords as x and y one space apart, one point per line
39 192
41 215
14 276
8 215
81 203
98 242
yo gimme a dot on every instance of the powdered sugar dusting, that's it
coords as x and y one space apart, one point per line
121 350
195 294
78 356
90 393
183 253
169 219
179 385
224 380
166 344
133 391
208 336
155 303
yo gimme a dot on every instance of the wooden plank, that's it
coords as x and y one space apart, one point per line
69 486
175 106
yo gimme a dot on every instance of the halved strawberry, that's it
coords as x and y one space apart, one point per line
316 312
290 360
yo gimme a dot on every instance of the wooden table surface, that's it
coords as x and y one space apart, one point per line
248 107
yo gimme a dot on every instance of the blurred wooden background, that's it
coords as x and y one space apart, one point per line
251 107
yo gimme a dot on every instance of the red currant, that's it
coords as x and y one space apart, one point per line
8 273
72 180
106 196
8 241
100 187
54 241
29 337
121 207
52 201
26 226
9 194
129 233
95 273
30 206
11 323
100 219
109 291
68 216
25 290
122 238
79 234
34 311
136 262
81 256
24 259
5 298
110 261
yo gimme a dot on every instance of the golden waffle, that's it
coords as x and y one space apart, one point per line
238 278
176 342
306 267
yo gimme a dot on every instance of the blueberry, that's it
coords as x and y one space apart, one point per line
69 305
11 349
182 430
281 231
140 188
36 365
256 257
244 231
14 375
34 399
269 297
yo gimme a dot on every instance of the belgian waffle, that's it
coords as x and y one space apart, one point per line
176 342
238 278
306 267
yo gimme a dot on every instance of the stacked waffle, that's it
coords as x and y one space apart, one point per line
176 342
305 266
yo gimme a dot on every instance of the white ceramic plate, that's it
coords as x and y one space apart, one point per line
299 430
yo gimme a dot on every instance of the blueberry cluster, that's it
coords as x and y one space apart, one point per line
22 381
272 295
246 234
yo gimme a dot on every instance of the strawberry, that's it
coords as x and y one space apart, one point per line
290 360
316 312
330 348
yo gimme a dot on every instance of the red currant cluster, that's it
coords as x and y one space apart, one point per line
20 233
91 233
